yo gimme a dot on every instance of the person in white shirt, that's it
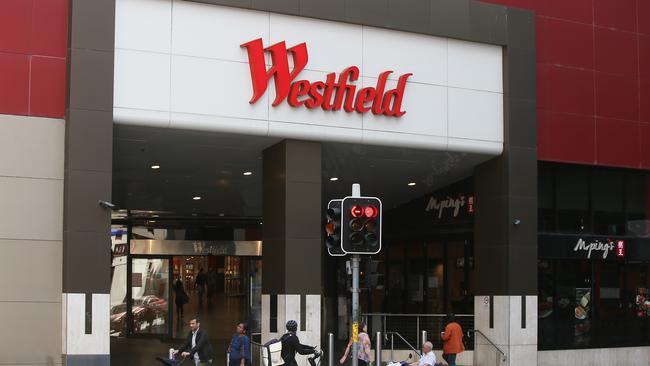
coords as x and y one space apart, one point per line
197 346
428 357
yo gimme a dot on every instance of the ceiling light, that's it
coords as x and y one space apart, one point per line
248 173
222 215
196 198
334 179
154 167
411 184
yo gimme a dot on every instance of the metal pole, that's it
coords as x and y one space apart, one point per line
356 192
392 347
378 350
330 349
424 336
355 309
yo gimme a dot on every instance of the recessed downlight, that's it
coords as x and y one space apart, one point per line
334 179
411 184
155 167
248 173
196 198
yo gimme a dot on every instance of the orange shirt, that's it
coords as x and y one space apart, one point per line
453 339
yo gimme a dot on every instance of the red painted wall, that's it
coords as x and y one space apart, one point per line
593 80
33 41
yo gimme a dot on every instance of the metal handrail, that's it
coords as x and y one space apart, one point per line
503 355
405 341
423 315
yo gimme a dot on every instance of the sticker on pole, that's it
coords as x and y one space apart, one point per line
355 332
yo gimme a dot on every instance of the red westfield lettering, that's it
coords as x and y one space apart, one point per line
331 95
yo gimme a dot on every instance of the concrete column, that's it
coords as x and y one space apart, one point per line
292 280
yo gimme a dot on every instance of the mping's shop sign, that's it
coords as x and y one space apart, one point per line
603 248
332 94
450 206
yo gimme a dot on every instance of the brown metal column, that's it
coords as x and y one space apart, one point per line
292 218
292 276
88 177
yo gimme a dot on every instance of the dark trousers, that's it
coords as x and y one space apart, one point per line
179 310
450 358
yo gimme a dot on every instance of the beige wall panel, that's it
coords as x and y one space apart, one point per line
33 208
32 147
31 333
31 270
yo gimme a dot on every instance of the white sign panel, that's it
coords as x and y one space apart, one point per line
185 67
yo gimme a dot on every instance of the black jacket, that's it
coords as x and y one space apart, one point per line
291 345
203 346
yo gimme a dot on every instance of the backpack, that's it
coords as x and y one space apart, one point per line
272 352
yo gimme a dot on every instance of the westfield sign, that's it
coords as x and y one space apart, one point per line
333 94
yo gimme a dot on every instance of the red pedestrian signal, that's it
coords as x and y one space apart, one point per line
361 225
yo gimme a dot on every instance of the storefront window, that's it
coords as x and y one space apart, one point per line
119 249
150 295
546 201
573 199
436 278
607 201
637 203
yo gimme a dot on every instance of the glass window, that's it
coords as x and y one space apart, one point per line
545 201
638 205
607 200
150 294
119 248
435 278
572 189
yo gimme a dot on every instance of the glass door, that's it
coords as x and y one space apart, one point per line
149 303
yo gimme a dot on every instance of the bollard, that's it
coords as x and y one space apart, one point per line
330 349
378 350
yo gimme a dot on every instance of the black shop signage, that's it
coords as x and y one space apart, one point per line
593 247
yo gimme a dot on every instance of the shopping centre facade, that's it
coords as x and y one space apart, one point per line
509 140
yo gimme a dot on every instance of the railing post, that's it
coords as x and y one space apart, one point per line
377 350
424 337
417 325
392 347
330 349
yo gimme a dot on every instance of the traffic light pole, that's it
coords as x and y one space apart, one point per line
356 192
355 309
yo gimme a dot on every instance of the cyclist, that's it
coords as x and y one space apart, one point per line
291 345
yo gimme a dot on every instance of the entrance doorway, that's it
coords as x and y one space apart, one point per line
221 290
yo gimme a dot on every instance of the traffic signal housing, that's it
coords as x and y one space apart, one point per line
361 225
333 228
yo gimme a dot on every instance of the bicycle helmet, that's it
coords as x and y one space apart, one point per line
292 326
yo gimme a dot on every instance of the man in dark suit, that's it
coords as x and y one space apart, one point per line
197 346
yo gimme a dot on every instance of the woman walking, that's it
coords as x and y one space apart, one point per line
364 347
239 350
180 297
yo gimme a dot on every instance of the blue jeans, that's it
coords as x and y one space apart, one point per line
237 362
450 358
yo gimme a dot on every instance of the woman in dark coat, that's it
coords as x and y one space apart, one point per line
180 297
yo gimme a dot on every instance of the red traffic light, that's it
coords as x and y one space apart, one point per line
357 211
371 211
